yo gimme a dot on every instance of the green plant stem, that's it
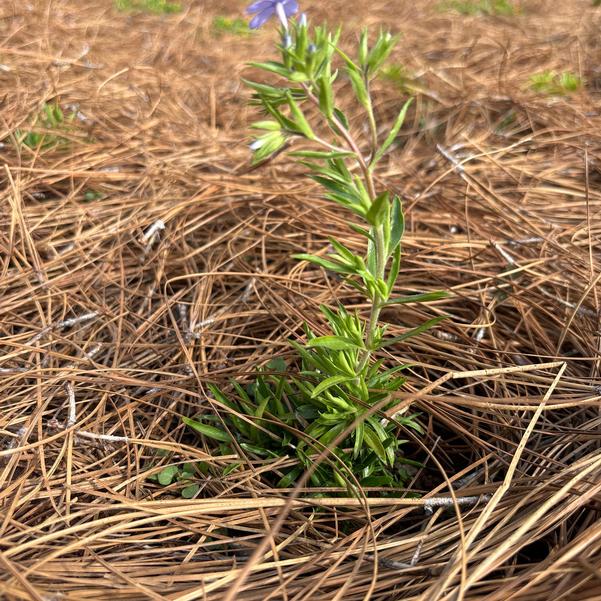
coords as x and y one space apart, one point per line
377 301
327 145
372 123
381 254
348 138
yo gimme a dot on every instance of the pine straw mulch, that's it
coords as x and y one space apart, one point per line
111 327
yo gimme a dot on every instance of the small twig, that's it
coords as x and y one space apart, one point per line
72 408
67 323
510 260
182 309
480 333
54 424
103 437
534 240
579 309
93 351
450 503
152 234
12 370
447 154
61 325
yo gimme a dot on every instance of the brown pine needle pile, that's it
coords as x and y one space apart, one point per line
142 258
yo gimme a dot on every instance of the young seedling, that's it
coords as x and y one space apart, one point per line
182 475
44 129
555 84
334 397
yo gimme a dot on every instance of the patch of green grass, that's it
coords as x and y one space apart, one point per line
50 117
226 25
158 7
555 84
503 8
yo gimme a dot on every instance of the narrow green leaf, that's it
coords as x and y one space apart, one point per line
343 251
362 231
266 125
331 433
216 392
393 273
359 435
290 478
418 298
375 444
397 224
298 76
316 154
342 118
334 343
380 51
326 95
328 265
273 67
359 87
328 383
349 61
371 261
300 119
363 49
208 431
255 449
393 133
230 468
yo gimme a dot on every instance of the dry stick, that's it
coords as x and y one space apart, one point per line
152 234
71 420
462 556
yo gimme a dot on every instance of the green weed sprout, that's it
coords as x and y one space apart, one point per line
504 8
151 6
555 84
226 25
337 396
41 135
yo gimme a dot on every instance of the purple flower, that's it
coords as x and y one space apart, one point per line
265 9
